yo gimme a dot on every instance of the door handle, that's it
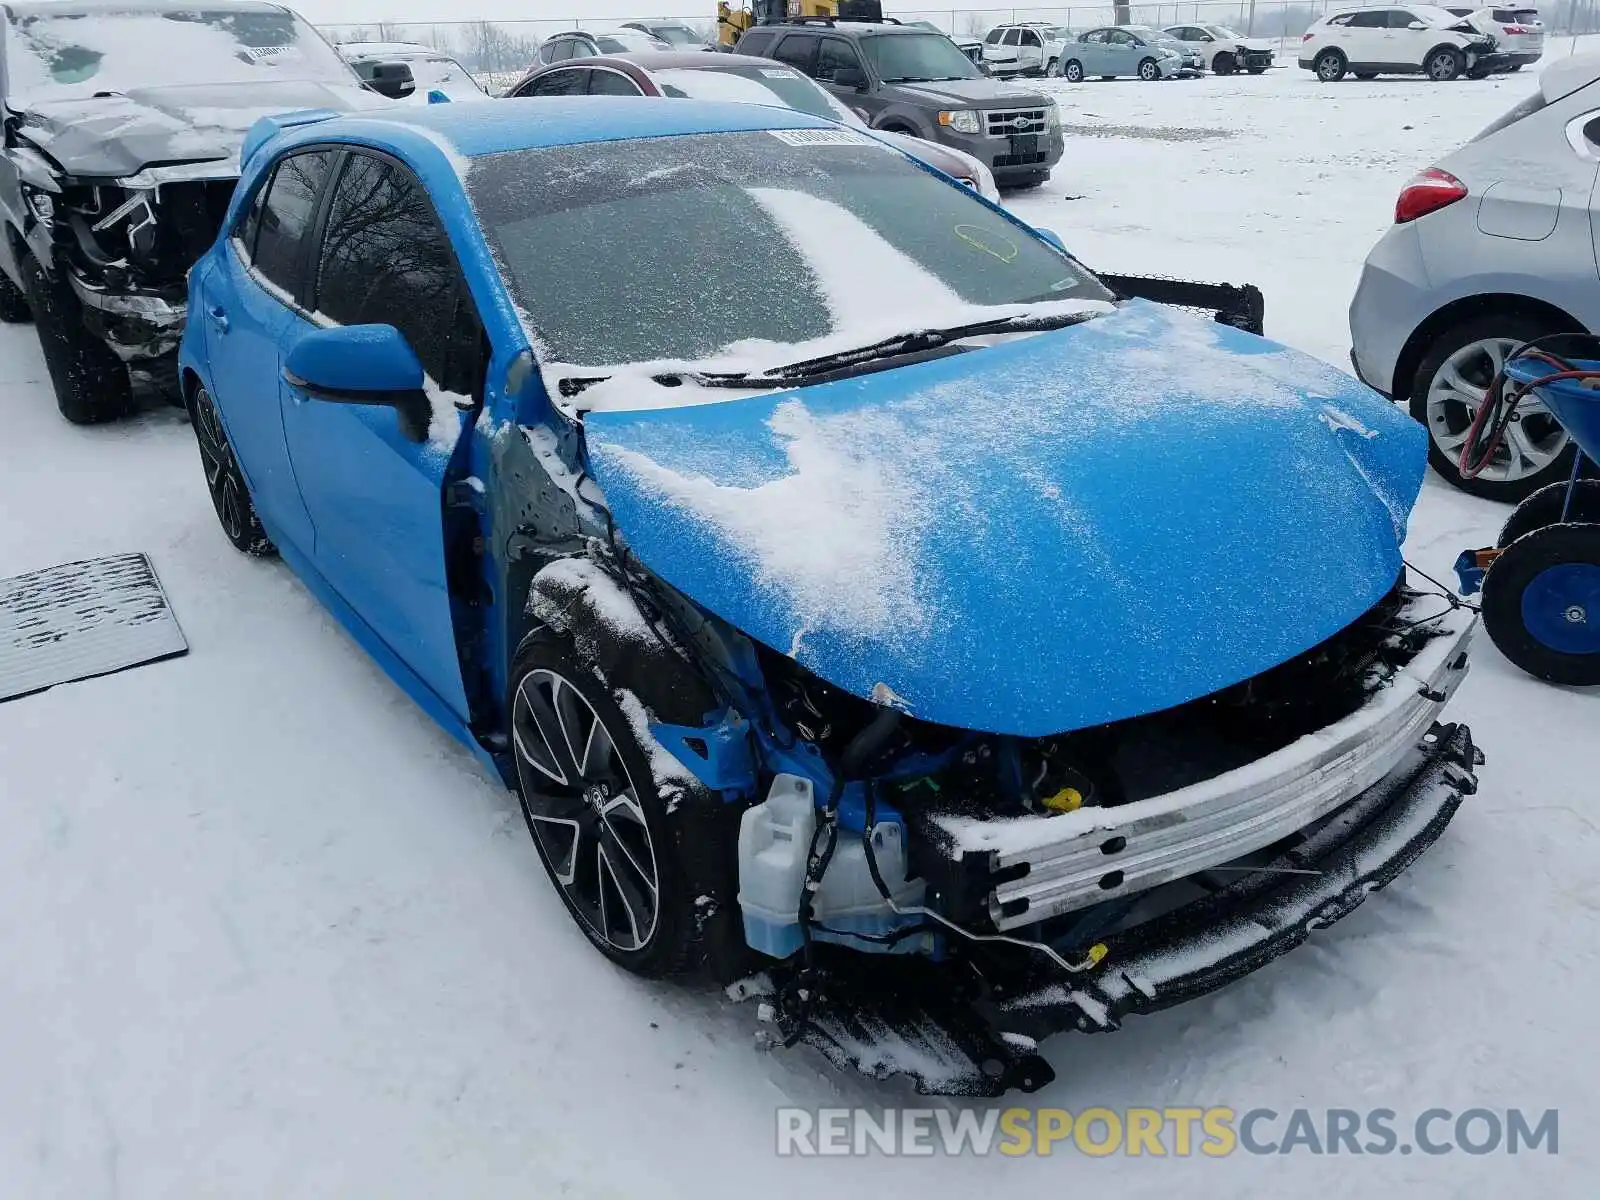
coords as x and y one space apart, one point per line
219 317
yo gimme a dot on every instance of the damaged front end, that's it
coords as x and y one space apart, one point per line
126 246
931 901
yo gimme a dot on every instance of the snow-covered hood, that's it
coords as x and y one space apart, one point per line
971 91
121 133
1060 531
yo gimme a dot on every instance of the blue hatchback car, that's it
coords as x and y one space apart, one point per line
845 583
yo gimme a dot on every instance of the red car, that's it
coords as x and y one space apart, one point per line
703 75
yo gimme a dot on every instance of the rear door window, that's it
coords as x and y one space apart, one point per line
288 209
799 50
611 83
755 42
573 81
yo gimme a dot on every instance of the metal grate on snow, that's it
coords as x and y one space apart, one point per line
83 619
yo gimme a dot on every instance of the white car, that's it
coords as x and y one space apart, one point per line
1408 39
1029 48
1222 50
1519 32
582 43
433 70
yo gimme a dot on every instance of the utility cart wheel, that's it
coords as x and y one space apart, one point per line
1546 506
1541 603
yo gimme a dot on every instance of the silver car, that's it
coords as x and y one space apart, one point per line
1492 246
1114 50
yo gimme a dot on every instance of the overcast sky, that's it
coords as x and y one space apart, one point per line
354 12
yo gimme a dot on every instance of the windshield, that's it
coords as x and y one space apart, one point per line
622 41
917 57
677 35
1221 31
434 71
76 54
755 85
748 250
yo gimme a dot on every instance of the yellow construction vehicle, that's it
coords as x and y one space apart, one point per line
733 21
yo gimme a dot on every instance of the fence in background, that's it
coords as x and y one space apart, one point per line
495 47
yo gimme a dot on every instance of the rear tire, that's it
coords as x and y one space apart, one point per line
91 383
602 829
1541 604
14 309
1544 508
1053 68
1073 71
1445 411
1329 66
1149 70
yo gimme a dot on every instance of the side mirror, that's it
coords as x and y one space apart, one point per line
362 364
1054 238
391 79
1417 25
850 77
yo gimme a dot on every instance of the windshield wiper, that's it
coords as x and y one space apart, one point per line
916 341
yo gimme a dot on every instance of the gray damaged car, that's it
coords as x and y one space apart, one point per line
123 122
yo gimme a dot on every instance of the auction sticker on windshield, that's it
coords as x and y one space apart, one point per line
823 137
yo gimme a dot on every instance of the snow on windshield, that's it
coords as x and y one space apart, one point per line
842 251
774 86
748 251
75 55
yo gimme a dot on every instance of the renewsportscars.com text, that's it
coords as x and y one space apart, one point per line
1214 1132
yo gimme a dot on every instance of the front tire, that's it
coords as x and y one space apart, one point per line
1224 64
1149 70
90 381
595 813
1257 70
1541 604
1450 386
230 494
1365 75
1053 68
1444 65
1329 66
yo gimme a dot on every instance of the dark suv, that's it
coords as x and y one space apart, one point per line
123 122
910 80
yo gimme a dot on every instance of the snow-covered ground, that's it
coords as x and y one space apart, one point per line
266 933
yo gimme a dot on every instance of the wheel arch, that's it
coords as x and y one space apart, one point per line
1465 309
1451 47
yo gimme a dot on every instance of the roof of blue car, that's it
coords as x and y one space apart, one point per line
491 127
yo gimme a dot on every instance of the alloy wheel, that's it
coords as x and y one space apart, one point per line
584 809
216 457
1533 440
1442 67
